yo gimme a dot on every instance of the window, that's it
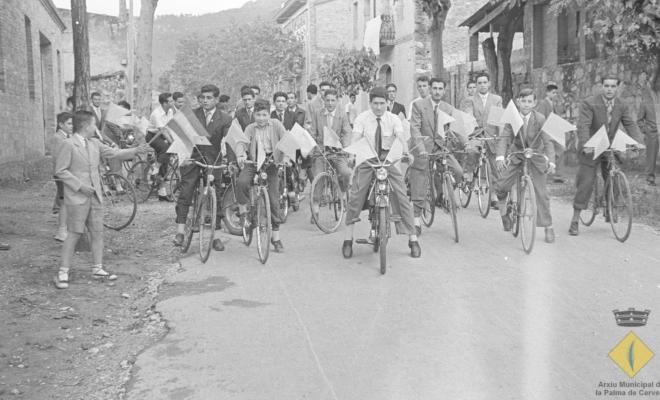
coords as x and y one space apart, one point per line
30 57
537 35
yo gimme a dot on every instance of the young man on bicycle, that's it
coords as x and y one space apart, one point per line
160 116
595 111
529 136
264 134
424 123
217 123
381 128
330 117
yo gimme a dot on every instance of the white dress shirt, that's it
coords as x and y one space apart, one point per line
159 118
365 125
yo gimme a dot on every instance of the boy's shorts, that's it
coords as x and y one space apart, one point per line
89 214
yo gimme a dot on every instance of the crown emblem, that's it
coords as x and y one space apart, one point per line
631 317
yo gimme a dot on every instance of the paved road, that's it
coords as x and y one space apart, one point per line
474 320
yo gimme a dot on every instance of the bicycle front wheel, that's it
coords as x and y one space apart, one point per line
619 205
327 205
484 195
207 215
465 193
383 236
191 222
174 177
428 212
119 203
588 215
527 219
451 203
263 227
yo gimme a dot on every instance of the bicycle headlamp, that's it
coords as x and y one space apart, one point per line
263 175
130 139
211 177
528 153
381 174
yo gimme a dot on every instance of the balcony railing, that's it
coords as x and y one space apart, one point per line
387 32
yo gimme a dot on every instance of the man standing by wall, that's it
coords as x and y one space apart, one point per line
648 123
160 116
99 113
392 106
470 91
423 89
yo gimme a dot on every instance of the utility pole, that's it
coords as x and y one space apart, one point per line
130 48
80 54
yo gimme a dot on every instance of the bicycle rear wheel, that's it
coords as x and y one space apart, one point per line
326 203
588 215
383 236
120 204
263 227
513 208
450 198
174 176
484 194
284 195
465 190
619 205
428 212
207 215
527 214
230 215
140 178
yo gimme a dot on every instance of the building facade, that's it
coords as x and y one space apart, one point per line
31 83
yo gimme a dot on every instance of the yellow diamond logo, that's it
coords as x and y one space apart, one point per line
631 354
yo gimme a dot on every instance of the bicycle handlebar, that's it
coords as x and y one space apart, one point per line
528 153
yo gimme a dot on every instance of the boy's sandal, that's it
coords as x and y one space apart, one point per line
100 273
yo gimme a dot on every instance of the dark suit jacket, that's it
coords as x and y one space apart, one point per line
217 129
422 119
243 118
593 115
647 118
534 138
339 124
291 117
398 108
545 107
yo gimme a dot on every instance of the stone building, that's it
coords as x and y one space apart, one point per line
31 84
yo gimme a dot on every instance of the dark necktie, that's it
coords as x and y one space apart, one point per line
436 128
610 106
281 117
379 137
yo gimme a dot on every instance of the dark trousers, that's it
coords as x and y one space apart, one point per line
160 145
244 185
651 142
584 181
510 176
189 180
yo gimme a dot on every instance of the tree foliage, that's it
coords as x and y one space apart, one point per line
260 54
350 70
626 27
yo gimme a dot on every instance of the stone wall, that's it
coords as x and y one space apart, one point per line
28 100
112 86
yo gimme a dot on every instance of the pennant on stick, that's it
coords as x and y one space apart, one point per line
395 154
495 116
331 139
235 135
599 142
405 124
261 155
288 146
464 124
621 140
556 127
511 116
304 139
362 150
118 115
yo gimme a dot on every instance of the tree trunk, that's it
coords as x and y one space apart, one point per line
144 56
436 31
655 82
504 49
80 54
491 62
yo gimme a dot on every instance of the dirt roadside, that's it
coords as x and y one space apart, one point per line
78 343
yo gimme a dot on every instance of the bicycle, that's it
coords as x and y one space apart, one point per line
379 211
325 195
204 211
614 196
285 171
230 213
258 216
119 200
144 176
480 184
521 208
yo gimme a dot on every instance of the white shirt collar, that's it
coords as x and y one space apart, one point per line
483 96
211 111
80 139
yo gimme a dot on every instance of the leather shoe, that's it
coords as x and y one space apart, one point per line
418 230
61 280
218 245
5 246
549 235
278 246
573 230
494 205
165 198
178 239
506 223
347 249
415 250
650 181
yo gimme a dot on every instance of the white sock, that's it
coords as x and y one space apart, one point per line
276 236
418 221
